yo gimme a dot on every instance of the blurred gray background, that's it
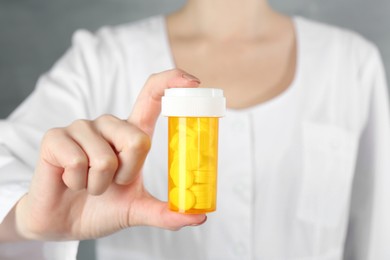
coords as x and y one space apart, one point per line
35 33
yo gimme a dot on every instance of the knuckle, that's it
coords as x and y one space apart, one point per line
140 142
151 79
177 72
105 163
152 76
105 118
53 133
80 124
51 139
77 163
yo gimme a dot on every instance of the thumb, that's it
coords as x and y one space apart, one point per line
148 104
153 212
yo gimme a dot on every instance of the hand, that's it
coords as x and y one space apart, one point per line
88 180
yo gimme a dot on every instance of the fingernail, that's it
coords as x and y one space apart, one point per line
190 77
198 224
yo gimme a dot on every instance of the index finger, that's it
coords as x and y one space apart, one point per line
147 107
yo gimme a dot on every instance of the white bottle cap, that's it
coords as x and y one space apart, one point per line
193 102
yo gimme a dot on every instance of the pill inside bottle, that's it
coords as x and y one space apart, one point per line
193 117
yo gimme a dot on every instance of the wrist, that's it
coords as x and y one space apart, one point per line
9 227
23 220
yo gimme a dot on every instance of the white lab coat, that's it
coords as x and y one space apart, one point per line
303 176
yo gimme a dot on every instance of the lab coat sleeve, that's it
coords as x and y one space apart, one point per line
61 96
368 235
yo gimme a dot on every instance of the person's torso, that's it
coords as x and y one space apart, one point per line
285 166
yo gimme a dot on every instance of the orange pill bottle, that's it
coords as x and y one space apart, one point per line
193 117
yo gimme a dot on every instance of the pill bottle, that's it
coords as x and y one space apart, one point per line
193 117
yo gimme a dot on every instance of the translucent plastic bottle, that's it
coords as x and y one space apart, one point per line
193 115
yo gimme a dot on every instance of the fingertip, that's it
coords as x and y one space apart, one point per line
124 180
147 107
190 78
182 79
74 180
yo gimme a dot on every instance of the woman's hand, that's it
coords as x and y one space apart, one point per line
88 180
